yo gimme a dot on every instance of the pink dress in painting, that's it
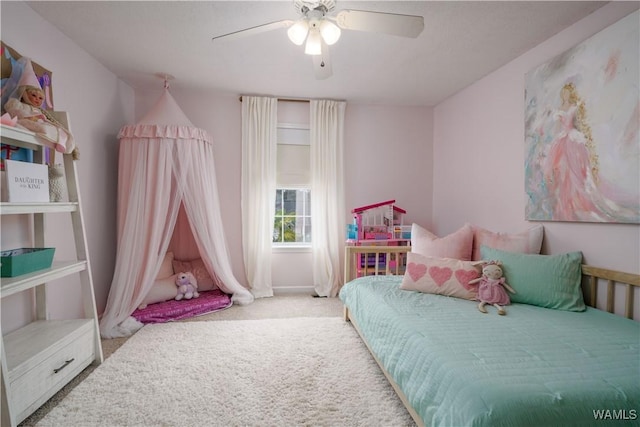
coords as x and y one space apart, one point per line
492 291
568 171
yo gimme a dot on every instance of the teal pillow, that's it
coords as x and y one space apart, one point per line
551 281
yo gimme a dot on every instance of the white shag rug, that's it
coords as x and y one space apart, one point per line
274 372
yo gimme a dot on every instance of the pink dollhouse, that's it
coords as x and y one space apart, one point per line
379 224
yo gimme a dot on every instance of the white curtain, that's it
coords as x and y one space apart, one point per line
259 151
327 194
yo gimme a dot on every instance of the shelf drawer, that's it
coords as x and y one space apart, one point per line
44 374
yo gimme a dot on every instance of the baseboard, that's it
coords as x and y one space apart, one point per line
289 290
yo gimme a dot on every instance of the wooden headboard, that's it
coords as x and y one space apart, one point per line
386 260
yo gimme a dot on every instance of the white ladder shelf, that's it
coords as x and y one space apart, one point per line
41 357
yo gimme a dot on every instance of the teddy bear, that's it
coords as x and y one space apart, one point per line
491 289
187 286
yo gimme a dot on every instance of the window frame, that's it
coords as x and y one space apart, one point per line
287 140
305 216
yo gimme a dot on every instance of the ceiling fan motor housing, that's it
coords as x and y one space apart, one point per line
323 6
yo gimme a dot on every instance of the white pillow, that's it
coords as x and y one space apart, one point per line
162 290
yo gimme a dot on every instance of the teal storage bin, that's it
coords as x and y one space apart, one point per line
16 262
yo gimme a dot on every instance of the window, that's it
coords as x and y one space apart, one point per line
292 224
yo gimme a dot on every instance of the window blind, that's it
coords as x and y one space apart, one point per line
293 163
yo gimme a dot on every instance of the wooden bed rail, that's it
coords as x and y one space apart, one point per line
629 280
374 260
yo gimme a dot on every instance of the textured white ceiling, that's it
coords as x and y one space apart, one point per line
462 42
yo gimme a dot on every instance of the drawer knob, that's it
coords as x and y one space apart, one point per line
66 363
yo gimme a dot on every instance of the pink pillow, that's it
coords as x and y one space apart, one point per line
441 276
526 242
166 268
457 245
197 268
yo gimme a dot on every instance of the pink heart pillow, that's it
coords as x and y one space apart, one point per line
439 275
416 271
442 276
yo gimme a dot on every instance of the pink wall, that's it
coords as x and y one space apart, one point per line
479 157
98 104
387 153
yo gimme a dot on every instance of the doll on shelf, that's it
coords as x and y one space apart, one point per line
25 104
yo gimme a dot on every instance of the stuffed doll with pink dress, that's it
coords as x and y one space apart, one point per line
25 104
492 288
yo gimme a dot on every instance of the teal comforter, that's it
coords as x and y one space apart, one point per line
532 367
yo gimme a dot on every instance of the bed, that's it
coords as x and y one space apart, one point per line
454 366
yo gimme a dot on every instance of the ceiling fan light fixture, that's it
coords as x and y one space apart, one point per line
330 32
314 43
298 31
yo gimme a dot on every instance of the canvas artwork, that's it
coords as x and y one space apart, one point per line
582 130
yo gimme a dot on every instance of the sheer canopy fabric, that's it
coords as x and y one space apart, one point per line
327 194
259 153
157 175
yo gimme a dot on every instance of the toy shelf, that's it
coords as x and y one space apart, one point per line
41 357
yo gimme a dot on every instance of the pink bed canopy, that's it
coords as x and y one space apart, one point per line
167 201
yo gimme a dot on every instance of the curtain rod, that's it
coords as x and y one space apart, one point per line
286 99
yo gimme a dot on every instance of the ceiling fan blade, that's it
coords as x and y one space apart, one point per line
255 30
379 22
322 63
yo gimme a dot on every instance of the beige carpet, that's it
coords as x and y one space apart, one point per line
286 306
303 371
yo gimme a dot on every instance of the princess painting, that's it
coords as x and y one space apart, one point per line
573 187
571 166
582 130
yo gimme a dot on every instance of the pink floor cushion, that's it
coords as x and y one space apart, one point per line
171 310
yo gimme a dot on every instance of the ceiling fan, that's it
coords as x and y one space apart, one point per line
320 28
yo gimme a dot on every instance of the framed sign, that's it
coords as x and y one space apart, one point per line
26 182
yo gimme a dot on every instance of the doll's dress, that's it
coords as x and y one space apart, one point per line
493 292
568 171
35 120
